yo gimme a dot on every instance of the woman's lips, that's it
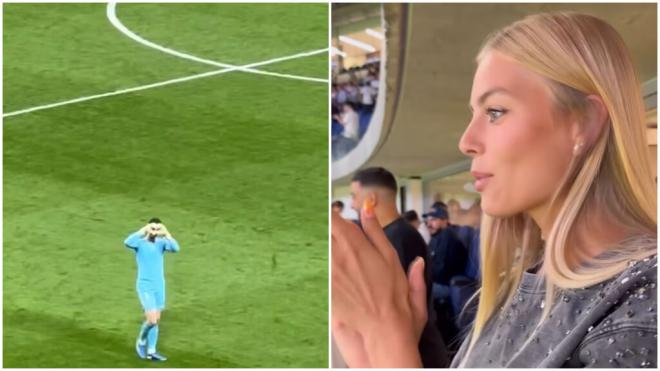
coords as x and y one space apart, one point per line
481 179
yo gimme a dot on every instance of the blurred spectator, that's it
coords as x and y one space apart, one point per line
448 259
366 97
338 207
456 220
455 212
375 82
349 134
341 96
350 121
448 253
352 92
472 270
412 218
473 215
438 205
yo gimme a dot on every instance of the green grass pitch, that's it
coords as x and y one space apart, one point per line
236 166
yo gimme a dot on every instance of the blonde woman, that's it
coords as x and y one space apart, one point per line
568 237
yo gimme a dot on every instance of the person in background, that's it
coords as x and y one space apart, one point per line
377 187
366 97
350 120
338 207
412 218
448 259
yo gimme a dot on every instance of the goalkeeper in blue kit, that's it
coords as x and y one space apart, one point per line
150 244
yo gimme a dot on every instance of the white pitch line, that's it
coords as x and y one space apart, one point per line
111 13
161 83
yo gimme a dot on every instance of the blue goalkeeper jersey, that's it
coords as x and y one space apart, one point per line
149 255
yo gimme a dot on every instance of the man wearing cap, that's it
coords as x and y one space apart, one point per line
448 254
448 259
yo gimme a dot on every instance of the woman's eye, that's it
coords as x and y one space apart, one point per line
495 113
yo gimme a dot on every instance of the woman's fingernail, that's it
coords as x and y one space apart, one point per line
368 207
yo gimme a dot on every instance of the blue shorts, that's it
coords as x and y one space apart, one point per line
151 296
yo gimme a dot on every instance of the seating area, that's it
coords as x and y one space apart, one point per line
354 93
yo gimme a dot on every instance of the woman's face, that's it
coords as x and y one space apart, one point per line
520 145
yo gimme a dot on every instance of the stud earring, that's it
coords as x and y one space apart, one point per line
577 147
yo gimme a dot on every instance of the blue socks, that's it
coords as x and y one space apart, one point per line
149 333
152 339
143 331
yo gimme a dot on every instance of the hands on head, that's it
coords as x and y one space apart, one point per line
163 232
378 313
156 230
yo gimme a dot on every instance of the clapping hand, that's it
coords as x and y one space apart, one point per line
378 313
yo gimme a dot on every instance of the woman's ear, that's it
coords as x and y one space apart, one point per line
587 132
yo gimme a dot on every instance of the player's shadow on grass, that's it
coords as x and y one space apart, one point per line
37 339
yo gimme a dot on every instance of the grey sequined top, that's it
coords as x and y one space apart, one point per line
612 324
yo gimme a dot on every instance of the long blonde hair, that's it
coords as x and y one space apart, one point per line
579 55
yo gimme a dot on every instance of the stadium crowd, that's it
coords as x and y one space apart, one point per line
354 93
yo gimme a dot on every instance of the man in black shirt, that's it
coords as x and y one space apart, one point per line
379 185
